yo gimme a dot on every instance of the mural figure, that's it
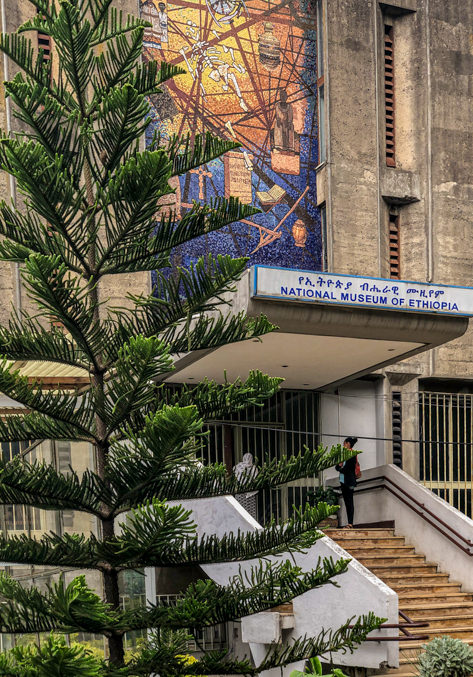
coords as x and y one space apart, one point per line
250 77
284 135
149 13
163 22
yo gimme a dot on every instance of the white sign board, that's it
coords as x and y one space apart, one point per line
366 292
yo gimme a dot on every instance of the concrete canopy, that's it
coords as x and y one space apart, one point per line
318 345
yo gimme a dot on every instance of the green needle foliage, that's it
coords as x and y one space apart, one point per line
90 197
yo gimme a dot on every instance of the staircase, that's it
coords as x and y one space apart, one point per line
424 593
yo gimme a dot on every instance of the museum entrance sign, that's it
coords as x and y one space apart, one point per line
284 284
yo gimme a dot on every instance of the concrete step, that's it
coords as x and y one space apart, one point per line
462 620
427 599
462 632
401 671
381 550
427 588
362 542
420 611
395 579
359 533
381 570
394 561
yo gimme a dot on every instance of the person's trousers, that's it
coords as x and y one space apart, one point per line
347 494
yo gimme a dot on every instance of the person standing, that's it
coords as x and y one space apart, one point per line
347 471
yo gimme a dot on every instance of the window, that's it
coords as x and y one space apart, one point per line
397 428
446 442
394 247
44 43
323 231
321 82
19 517
64 462
389 95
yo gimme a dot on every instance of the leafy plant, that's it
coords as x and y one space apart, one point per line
446 657
53 658
314 669
323 495
91 209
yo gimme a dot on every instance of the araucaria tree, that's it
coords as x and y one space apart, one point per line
90 197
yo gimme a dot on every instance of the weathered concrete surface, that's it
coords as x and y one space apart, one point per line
433 75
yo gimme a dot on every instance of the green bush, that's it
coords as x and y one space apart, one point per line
446 657
314 669
323 495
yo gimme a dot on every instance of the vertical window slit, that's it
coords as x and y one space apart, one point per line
394 247
397 428
44 43
389 95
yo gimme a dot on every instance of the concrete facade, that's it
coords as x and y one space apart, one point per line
430 187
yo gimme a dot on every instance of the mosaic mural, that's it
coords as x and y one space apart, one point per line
251 77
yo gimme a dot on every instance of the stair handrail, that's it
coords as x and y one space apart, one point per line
404 628
433 522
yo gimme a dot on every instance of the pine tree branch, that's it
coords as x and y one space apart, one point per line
36 426
219 401
148 76
170 438
167 656
212 331
109 22
129 203
345 639
140 361
71 608
48 189
39 485
184 297
263 587
63 408
141 477
172 232
26 339
116 64
189 152
25 235
73 42
51 126
65 297
68 550
159 535
120 117
20 50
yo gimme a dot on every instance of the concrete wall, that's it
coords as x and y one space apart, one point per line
323 608
433 70
380 505
355 409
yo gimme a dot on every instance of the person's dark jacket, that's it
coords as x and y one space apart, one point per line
348 472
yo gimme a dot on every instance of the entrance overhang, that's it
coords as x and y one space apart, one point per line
319 344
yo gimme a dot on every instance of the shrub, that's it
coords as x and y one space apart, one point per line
446 657
323 495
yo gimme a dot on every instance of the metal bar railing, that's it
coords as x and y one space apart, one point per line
404 628
424 512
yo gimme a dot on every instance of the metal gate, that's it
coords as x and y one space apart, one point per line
286 422
446 426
